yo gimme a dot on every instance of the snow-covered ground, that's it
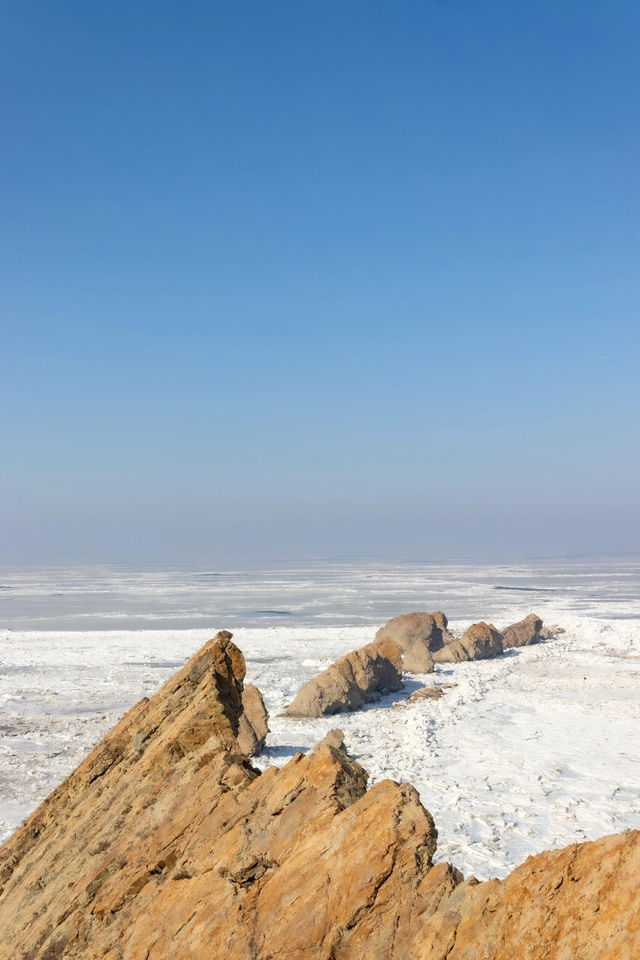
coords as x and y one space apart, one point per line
535 749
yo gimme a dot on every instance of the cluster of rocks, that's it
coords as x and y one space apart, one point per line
410 643
166 843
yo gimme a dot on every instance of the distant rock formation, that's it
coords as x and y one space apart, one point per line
422 693
418 635
480 641
165 844
360 677
522 633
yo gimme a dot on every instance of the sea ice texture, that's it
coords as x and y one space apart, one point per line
534 749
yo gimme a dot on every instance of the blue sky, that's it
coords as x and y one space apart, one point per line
284 279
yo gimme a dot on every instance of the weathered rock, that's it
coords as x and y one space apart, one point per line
165 844
423 693
170 845
479 642
360 677
253 725
579 903
549 633
426 693
418 635
522 633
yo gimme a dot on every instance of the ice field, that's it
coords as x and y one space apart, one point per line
535 749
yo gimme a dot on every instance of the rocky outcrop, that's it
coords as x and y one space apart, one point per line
165 844
522 633
418 635
360 677
480 641
253 725
579 903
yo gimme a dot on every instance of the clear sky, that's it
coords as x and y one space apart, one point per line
288 278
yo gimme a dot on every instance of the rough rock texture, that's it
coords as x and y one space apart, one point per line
418 635
253 725
165 844
579 903
479 642
360 677
522 633
423 693
426 693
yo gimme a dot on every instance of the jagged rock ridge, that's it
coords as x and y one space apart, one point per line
165 844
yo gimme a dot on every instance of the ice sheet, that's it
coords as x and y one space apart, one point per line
535 749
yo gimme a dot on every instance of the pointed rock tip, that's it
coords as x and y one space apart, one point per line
334 738
221 648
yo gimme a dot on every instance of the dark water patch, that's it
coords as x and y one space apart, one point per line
531 589
281 656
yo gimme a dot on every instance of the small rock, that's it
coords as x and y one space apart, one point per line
522 633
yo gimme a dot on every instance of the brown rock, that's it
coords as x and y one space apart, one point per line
253 724
479 642
165 844
172 846
423 693
579 903
360 677
426 693
418 635
522 633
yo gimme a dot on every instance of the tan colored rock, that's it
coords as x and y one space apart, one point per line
522 633
549 633
165 844
480 641
423 693
418 635
253 725
169 845
360 677
579 903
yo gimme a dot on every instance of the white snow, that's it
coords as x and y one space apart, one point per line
533 750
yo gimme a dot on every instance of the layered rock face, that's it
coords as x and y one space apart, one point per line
418 635
479 642
253 725
579 903
165 844
522 633
360 677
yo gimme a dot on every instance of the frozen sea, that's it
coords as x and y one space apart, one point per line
536 749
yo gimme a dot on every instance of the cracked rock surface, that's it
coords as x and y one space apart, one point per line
166 844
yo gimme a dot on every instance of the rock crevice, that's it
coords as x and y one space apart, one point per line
152 852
